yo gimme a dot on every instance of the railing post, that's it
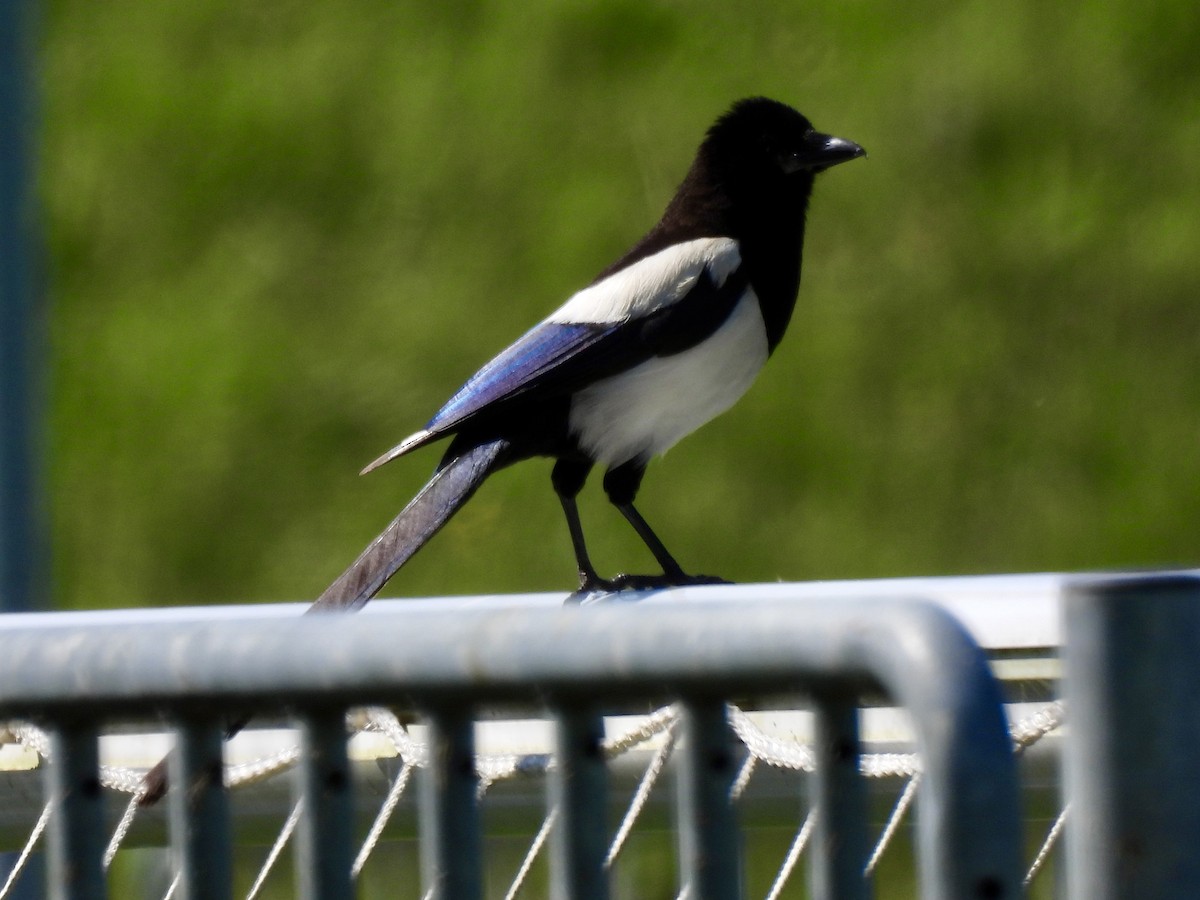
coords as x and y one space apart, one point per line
76 835
579 791
709 840
200 826
23 563
1132 688
24 581
325 833
839 797
451 840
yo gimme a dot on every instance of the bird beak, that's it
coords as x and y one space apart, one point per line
821 151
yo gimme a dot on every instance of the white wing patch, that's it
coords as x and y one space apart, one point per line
651 283
648 409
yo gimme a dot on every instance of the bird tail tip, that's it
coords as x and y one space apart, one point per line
409 443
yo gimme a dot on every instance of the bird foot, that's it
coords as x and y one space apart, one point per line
666 580
625 582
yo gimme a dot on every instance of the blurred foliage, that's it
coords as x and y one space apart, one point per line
280 234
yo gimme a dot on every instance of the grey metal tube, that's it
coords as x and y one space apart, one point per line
324 834
201 832
709 853
1132 686
75 836
451 845
579 792
839 853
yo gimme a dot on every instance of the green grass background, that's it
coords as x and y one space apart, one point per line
280 234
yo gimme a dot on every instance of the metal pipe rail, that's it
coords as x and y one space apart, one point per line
574 661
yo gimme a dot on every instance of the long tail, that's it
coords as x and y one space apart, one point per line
451 486
441 498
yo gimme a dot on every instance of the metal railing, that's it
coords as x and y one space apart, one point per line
575 662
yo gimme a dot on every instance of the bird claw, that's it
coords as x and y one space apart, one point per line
658 582
628 582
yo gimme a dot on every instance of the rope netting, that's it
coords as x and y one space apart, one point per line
661 728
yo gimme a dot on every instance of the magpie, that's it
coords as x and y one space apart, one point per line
662 341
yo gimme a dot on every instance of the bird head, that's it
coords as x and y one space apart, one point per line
762 145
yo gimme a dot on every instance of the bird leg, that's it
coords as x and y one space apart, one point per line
673 574
589 581
670 567
621 484
568 477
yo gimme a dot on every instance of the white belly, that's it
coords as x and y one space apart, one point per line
645 411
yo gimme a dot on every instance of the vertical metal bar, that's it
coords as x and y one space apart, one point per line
22 550
709 842
839 851
579 791
23 556
451 843
325 833
1132 686
76 835
201 838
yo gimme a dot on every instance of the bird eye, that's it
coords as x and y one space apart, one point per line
788 160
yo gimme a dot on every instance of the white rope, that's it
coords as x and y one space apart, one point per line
285 834
32 737
743 777
491 769
532 854
382 818
640 796
1033 728
118 778
772 751
23 859
122 829
795 851
385 722
893 823
889 765
799 757
657 722
171 890
1047 847
121 779
262 768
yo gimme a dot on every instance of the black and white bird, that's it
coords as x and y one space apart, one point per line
663 340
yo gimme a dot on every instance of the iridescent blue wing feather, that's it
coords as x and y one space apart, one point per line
656 306
551 347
